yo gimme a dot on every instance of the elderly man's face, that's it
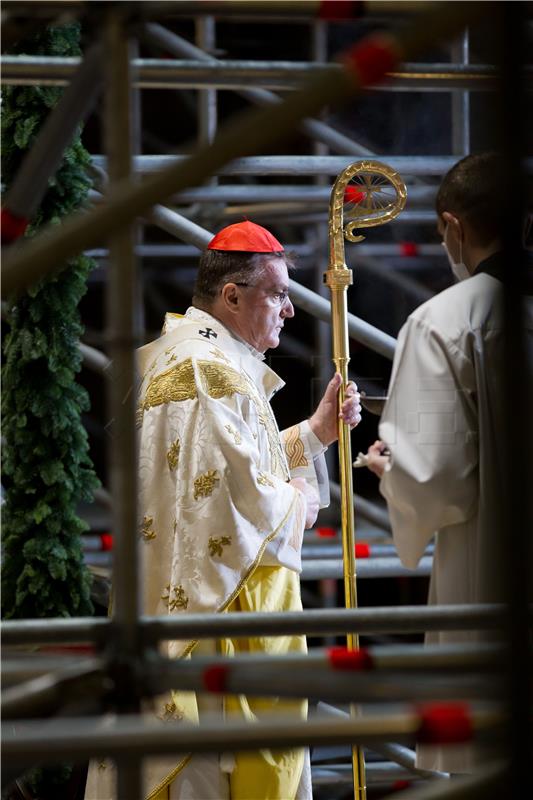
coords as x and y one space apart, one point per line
265 306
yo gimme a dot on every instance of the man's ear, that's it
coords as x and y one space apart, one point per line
230 297
455 224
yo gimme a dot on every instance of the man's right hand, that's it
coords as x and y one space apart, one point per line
311 498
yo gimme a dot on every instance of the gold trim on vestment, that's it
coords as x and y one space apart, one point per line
294 448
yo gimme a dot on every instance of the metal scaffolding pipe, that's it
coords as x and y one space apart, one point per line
341 686
375 774
366 508
317 569
123 337
397 753
76 739
160 37
335 550
487 783
296 165
43 695
358 329
153 73
95 359
387 619
285 10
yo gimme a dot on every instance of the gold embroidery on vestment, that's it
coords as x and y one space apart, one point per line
264 480
147 531
171 358
294 447
171 711
221 381
204 484
232 432
173 455
216 545
180 599
102 765
175 384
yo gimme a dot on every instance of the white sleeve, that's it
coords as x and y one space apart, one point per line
305 456
429 424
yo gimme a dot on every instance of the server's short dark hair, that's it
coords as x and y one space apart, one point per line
473 189
218 267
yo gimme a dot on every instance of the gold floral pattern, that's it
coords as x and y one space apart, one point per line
236 435
221 381
173 454
294 447
173 385
216 545
175 597
264 480
171 712
204 484
147 531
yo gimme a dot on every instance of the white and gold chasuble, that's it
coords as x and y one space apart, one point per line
221 529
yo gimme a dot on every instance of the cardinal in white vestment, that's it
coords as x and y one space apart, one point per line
225 501
443 417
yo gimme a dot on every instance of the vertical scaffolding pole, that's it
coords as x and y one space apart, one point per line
207 98
517 405
122 337
322 337
460 52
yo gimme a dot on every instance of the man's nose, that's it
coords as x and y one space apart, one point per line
287 309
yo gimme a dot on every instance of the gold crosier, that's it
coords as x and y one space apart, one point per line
368 194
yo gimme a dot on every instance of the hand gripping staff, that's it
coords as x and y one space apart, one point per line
367 193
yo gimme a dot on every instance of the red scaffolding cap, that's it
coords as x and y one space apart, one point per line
245 236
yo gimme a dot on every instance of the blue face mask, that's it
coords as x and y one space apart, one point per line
458 268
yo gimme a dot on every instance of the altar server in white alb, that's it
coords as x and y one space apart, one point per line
225 501
442 417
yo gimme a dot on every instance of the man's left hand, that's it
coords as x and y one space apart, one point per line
324 421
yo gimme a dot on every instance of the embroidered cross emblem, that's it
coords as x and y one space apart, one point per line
208 333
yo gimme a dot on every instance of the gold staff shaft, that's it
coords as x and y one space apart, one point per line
338 280
338 277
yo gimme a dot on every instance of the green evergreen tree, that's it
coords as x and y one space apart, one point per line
46 465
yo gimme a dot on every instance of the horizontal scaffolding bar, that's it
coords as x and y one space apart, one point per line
387 619
317 569
335 550
152 73
132 736
384 772
407 251
341 686
296 165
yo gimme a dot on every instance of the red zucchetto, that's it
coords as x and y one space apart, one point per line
245 236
